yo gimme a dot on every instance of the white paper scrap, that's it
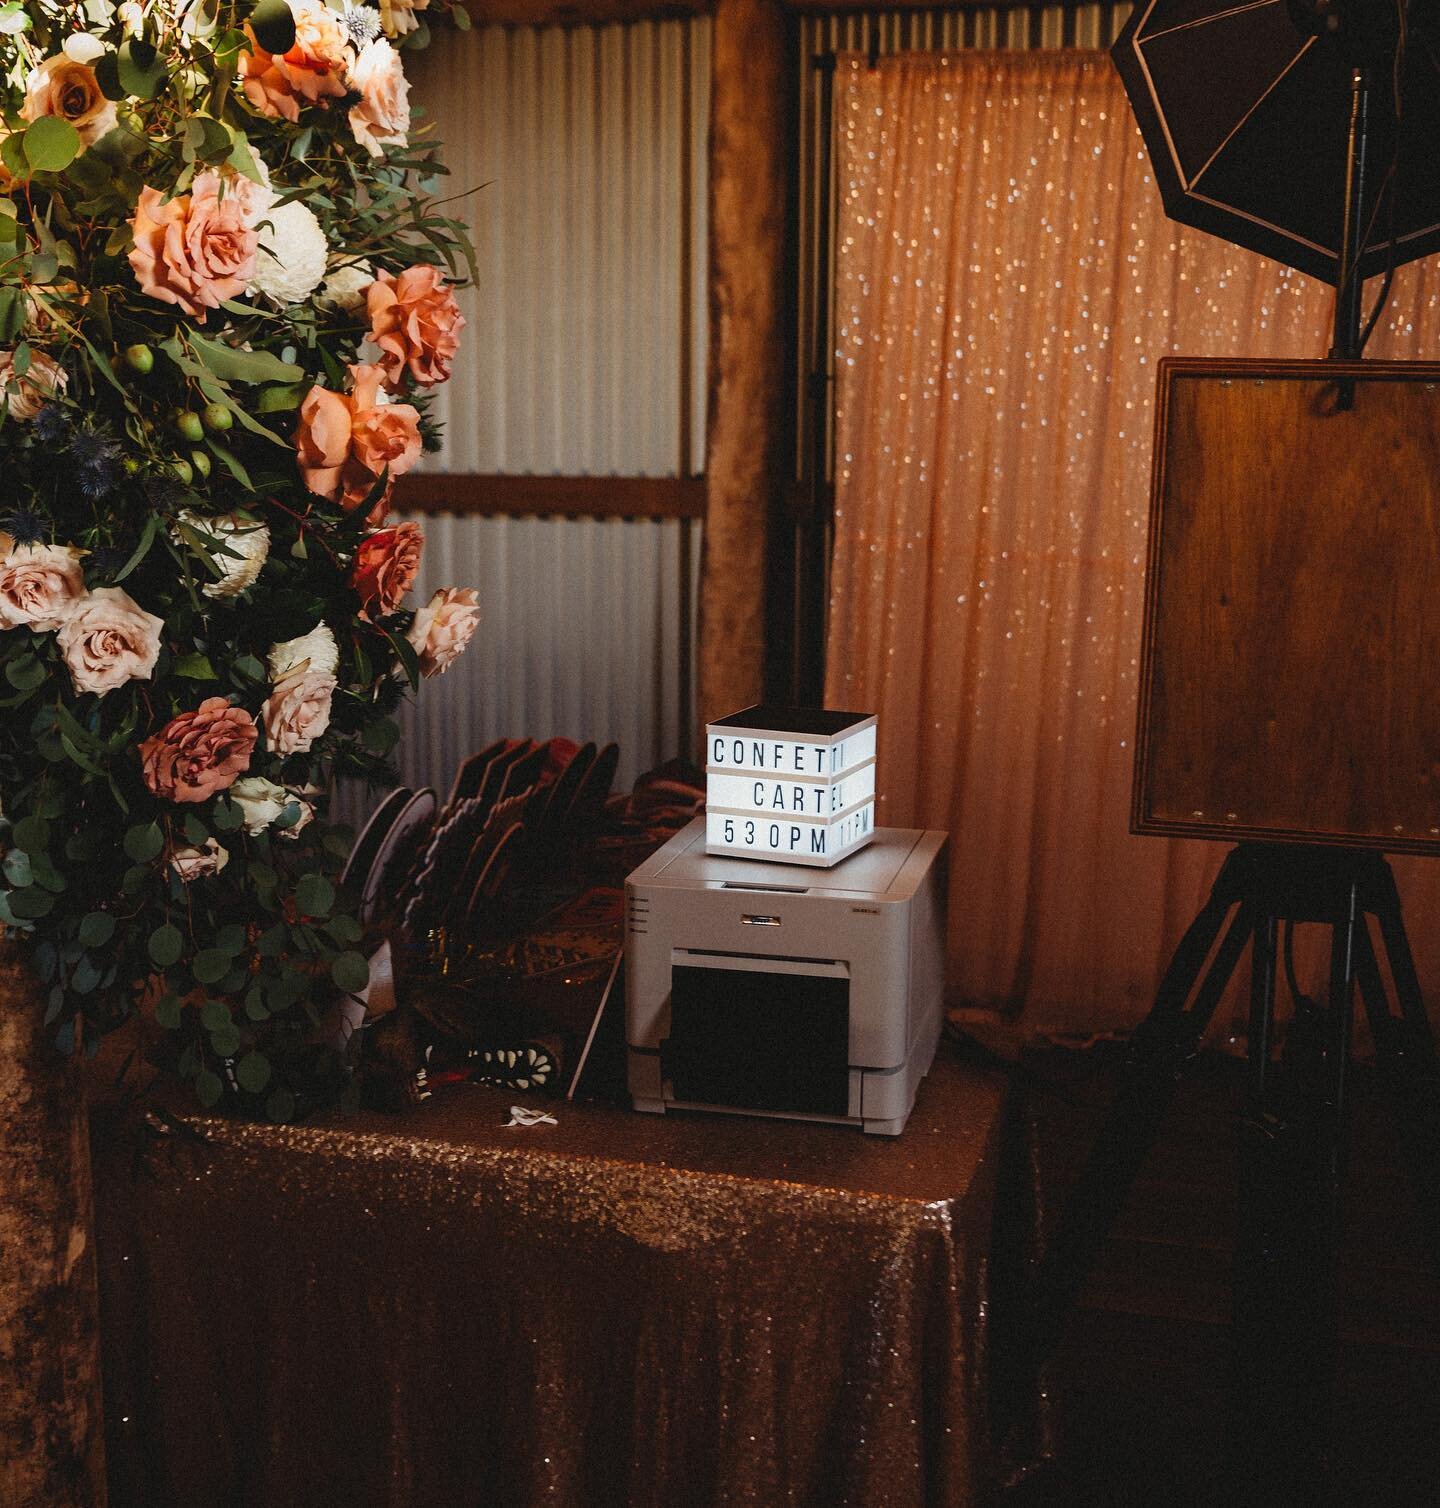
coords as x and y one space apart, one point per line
520 1116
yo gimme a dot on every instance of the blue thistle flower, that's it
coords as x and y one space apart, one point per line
25 526
51 424
97 462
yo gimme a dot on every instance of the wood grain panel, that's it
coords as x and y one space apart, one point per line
1292 624
551 496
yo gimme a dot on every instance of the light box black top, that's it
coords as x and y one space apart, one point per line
804 722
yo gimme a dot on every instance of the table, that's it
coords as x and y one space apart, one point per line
432 1308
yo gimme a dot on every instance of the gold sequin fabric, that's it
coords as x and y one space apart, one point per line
1006 285
619 1309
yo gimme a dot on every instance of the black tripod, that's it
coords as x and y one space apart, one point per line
1294 1141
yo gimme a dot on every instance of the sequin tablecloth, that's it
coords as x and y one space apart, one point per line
435 1310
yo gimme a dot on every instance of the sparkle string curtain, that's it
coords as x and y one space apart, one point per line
1006 283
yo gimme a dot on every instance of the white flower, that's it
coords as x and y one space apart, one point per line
344 288
81 47
191 863
291 260
260 800
264 803
397 17
249 542
315 652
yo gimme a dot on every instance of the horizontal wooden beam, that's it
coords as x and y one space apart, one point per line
579 12
831 7
550 496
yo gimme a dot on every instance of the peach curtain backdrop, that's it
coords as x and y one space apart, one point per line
1006 285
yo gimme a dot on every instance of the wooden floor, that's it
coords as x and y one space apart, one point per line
1138 1391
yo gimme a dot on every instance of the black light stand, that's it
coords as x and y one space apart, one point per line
1294 1129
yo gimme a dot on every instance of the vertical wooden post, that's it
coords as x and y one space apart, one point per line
752 152
52 1433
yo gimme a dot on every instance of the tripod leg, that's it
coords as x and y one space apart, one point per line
1408 1058
1165 1043
1287 1244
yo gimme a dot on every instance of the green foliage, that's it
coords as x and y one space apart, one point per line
150 444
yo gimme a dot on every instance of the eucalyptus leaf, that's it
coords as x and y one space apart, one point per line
144 841
51 144
165 946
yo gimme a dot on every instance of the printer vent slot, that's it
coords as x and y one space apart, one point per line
776 889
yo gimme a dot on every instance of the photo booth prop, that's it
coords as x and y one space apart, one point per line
1292 621
793 785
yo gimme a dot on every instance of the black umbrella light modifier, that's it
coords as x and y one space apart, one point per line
1246 111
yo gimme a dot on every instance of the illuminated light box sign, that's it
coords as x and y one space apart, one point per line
792 785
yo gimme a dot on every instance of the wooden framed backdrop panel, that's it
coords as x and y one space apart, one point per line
1290 672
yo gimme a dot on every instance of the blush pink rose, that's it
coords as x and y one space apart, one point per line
108 639
297 711
345 442
443 627
39 586
26 396
386 565
199 753
195 251
416 322
382 117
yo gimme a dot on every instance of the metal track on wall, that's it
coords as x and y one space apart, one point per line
876 34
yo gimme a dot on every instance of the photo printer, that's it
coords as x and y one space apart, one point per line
761 989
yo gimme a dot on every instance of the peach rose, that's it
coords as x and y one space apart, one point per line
190 863
313 69
346 442
27 395
108 639
61 86
416 322
386 565
383 115
297 711
443 627
200 752
39 586
196 250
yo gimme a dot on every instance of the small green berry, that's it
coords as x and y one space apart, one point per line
183 470
216 417
188 426
140 358
201 462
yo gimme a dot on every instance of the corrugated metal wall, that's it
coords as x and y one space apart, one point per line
585 355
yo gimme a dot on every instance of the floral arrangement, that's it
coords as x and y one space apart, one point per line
226 298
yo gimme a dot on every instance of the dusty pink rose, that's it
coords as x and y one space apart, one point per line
190 863
60 86
39 586
345 441
386 565
416 322
383 115
196 250
108 639
297 711
26 396
200 752
443 627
